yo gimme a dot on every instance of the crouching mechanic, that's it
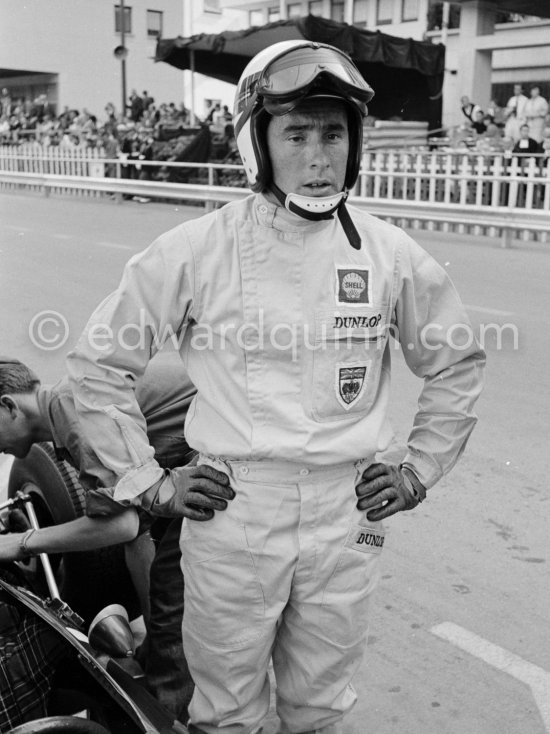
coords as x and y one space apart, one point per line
30 413
284 303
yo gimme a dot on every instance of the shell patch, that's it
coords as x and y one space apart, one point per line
353 285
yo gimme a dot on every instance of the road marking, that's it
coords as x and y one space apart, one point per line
492 311
536 678
115 245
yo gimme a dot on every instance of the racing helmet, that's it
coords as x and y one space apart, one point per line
276 80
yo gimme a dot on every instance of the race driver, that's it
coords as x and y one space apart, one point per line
283 303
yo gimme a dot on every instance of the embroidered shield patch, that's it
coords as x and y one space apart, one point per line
351 383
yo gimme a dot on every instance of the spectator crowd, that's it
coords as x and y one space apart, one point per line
24 120
144 131
521 127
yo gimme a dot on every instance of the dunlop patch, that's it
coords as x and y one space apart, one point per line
366 540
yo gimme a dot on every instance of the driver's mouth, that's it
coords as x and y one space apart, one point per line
317 187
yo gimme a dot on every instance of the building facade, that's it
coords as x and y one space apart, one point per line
487 51
405 18
65 49
485 56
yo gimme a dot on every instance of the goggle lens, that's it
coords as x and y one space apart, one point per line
294 71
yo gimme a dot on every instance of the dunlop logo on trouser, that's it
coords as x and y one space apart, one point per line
366 540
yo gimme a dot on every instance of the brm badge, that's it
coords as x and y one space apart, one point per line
353 285
351 384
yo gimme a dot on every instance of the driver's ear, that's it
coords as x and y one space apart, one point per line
8 403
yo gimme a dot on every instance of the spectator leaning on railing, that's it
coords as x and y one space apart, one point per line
526 144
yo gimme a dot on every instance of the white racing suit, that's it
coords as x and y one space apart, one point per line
285 332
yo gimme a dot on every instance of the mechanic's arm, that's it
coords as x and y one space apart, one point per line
440 347
83 534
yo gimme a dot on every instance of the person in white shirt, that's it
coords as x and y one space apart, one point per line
536 109
517 103
515 113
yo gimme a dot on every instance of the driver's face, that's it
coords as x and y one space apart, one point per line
15 435
309 148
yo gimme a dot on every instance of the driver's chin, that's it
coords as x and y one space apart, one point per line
20 452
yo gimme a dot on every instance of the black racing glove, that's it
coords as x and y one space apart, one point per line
385 489
195 492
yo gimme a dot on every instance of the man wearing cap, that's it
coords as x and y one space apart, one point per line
283 304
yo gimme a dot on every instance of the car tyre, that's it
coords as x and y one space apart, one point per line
88 580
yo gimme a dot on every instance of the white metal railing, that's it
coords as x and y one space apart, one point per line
472 191
479 219
463 178
33 158
457 178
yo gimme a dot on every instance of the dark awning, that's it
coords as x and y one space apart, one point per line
407 75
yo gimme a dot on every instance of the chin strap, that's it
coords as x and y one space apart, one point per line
349 227
322 207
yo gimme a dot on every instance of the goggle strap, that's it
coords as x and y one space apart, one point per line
248 107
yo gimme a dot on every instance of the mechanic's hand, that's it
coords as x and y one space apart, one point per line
195 492
17 521
10 548
386 489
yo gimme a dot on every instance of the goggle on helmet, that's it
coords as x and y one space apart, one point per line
276 81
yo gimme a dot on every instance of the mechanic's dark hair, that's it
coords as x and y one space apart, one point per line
16 377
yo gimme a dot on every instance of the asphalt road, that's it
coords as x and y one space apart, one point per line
460 623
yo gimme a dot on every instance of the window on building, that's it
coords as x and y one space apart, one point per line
360 12
337 10
154 23
255 17
384 11
294 10
211 6
273 14
127 19
315 7
435 16
409 10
